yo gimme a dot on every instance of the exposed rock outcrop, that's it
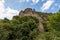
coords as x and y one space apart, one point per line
31 12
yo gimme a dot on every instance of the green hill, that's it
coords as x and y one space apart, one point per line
26 26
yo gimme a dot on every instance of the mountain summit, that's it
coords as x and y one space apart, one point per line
33 13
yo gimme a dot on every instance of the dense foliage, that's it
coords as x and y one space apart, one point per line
52 28
20 28
25 28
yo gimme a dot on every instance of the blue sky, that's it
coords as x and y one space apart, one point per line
10 8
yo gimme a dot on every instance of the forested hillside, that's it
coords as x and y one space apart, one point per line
26 28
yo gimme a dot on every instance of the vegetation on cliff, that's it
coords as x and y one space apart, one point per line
25 28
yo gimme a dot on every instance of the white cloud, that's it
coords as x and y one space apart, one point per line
6 12
43 0
35 1
22 1
10 13
47 5
2 6
27 0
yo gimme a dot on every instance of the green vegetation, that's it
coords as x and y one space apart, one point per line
25 28
52 28
20 28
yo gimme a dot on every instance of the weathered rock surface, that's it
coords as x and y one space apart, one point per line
31 12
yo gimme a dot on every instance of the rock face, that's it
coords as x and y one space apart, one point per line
31 12
27 11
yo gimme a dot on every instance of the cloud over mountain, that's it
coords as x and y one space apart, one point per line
26 1
47 5
35 1
6 12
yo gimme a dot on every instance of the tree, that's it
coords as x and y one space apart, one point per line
19 28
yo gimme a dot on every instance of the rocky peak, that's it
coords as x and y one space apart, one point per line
27 10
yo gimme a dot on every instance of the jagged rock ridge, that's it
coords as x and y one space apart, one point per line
32 12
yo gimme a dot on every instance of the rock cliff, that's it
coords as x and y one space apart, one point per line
32 12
